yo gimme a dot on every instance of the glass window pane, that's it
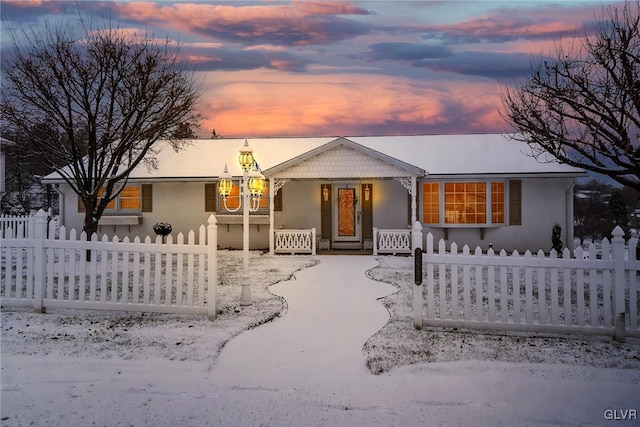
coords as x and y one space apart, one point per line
497 202
465 203
130 198
431 202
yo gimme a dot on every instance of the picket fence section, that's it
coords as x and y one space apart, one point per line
138 275
587 294
16 226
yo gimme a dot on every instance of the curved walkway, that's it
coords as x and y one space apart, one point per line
333 309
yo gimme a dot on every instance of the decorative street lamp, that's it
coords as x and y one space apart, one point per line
251 189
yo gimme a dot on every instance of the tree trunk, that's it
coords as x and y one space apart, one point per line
90 225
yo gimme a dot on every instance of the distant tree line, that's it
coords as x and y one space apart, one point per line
599 207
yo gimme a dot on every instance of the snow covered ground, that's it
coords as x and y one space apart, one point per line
100 368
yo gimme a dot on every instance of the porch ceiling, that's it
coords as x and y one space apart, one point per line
342 158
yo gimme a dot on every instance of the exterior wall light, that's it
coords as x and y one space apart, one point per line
246 158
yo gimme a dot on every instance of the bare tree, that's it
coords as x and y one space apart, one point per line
582 104
108 100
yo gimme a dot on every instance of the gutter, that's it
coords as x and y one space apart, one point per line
569 221
61 204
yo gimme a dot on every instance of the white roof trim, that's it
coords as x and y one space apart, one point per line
342 158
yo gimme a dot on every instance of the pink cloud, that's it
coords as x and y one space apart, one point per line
544 22
299 23
266 103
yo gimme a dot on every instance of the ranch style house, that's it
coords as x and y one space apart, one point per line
476 189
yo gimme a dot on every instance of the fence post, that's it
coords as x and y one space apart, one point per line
375 240
39 282
417 288
416 236
212 267
313 241
617 243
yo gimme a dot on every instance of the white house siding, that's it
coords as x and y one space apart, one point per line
390 207
300 205
543 205
180 204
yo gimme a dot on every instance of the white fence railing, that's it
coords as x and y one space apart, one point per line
295 241
16 226
108 274
391 241
583 294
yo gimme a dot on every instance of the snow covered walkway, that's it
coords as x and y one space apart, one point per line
332 311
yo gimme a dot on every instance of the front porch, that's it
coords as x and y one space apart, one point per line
344 192
339 196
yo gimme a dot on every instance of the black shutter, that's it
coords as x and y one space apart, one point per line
367 211
325 212
81 207
147 198
515 202
210 197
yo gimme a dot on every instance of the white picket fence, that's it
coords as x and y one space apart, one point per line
585 294
295 241
150 276
16 225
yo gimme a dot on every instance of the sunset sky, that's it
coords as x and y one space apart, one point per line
303 68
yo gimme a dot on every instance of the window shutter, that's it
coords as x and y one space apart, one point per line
209 197
367 212
81 207
515 202
325 212
277 201
147 198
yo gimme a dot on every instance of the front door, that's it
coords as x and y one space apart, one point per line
347 224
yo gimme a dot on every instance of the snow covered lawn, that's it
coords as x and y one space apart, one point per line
103 334
399 344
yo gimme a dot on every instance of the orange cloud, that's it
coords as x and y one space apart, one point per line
268 104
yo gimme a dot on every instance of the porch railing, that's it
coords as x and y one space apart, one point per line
391 241
295 241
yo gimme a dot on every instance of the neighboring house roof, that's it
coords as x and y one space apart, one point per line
436 155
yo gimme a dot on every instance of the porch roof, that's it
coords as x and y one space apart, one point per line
342 158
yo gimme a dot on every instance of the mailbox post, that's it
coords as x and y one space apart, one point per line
417 289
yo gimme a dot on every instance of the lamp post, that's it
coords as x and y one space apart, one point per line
251 189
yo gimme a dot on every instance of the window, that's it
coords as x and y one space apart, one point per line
463 203
132 198
431 202
129 199
111 205
497 202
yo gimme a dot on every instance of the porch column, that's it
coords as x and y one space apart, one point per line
414 201
272 194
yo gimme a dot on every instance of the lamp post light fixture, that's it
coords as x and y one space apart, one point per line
251 189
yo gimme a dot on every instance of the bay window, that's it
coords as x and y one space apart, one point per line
463 203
